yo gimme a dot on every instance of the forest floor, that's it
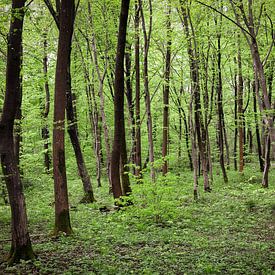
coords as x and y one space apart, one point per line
228 231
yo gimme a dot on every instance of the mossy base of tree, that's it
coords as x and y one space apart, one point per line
88 198
21 253
62 224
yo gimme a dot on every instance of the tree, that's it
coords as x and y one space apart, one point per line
70 111
137 89
21 247
119 131
66 19
147 40
166 92
265 105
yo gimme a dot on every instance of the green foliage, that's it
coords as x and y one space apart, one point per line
228 231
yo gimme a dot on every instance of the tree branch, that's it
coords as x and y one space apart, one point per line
52 12
225 16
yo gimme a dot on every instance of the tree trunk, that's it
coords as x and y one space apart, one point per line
165 139
62 216
220 112
129 97
45 114
201 130
147 38
235 123
101 77
138 164
119 131
21 248
73 133
240 109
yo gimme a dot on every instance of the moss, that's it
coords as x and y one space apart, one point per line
62 224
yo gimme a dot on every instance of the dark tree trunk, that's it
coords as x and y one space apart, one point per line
21 247
137 71
62 216
264 100
73 133
147 39
235 123
220 112
119 132
17 130
124 169
101 77
129 96
45 129
165 139
200 128
195 163
240 109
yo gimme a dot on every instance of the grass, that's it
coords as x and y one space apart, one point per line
228 231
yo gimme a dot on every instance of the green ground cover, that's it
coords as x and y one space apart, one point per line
228 231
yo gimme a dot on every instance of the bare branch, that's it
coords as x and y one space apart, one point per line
52 11
225 16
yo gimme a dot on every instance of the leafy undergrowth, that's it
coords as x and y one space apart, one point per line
228 231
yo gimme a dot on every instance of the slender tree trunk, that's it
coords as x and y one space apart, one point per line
186 127
94 117
129 97
235 123
195 163
240 109
62 216
220 112
137 71
101 77
147 39
73 134
165 139
201 130
119 132
21 248
17 131
264 100
45 114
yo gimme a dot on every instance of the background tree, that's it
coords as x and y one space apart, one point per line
21 248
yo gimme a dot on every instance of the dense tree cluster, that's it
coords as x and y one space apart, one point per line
142 87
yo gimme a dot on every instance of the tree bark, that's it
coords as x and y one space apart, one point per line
62 216
21 248
45 114
147 39
165 139
220 109
200 128
138 164
240 109
119 131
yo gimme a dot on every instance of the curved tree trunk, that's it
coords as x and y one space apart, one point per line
21 247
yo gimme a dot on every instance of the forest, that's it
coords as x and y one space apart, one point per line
137 137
